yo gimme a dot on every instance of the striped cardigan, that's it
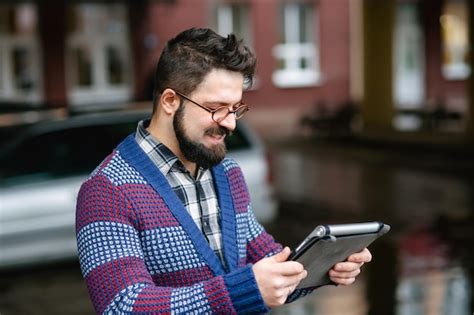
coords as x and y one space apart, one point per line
141 252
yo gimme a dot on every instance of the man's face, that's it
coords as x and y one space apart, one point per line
201 140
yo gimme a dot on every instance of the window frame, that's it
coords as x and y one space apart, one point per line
100 90
454 24
8 43
291 50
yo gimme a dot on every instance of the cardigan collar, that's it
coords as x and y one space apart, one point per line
135 156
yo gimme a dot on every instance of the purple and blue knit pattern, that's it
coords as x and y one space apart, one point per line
249 232
138 257
106 241
191 300
165 249
120 173
239 190
123 302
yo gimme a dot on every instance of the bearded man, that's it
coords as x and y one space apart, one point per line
165 223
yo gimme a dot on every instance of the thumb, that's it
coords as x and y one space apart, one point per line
283 255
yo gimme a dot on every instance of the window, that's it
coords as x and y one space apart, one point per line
454 31
409 89
233 18
408 66
98 62
20 79
297 53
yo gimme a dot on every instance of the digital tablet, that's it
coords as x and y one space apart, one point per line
327 245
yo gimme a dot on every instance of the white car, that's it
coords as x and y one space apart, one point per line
42 169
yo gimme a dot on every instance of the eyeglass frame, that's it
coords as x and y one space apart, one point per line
213 111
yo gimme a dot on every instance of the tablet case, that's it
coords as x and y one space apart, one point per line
319 254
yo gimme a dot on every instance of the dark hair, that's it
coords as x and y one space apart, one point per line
193 53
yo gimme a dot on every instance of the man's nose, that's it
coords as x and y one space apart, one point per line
229 122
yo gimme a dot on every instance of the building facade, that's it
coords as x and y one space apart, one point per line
83 55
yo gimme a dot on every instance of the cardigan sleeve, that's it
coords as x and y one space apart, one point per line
113 265
261 244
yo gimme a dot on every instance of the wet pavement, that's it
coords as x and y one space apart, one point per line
424 266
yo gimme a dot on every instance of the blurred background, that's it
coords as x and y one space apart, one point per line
362 111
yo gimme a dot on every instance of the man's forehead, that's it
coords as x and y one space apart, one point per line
222 77
221 86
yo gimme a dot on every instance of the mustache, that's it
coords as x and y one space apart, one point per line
217 131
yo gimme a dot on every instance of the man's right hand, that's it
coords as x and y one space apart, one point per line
277 278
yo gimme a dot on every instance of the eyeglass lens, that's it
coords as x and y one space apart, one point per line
222 113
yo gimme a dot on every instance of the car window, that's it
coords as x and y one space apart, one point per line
63 152
74 151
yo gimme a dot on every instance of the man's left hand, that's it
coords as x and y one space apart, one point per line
344 273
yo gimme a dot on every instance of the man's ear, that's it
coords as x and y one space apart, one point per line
169 101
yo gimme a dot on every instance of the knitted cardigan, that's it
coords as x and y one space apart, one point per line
141 252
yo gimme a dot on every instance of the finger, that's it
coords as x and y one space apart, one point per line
344 275
347 266
284 282
291 268
290 290
342 281
361 257
283 255
295 280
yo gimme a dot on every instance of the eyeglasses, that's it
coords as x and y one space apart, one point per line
221 112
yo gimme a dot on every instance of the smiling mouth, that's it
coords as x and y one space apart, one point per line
217 138
217 133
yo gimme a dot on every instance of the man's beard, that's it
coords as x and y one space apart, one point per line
197 152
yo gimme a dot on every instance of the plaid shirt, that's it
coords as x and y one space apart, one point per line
197 194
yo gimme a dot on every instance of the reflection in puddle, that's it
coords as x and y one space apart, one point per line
432 280
422 267
437 292
440 292
330 301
